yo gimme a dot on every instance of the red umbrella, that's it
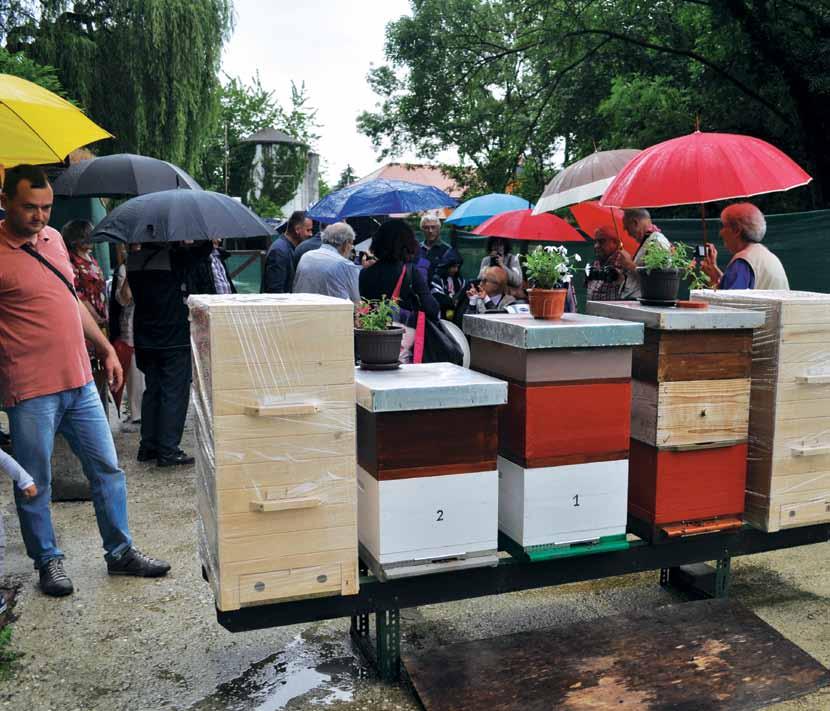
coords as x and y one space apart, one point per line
590 216
700 168
521 224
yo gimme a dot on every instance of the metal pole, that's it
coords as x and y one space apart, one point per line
227 154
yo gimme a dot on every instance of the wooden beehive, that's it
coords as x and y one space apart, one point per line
427 481
788 477
689 414
273 392
564 435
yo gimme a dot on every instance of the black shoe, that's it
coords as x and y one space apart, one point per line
53 579
180 458
145 454
3 605
134 562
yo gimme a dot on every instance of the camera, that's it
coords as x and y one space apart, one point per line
494 262
607 274
700 251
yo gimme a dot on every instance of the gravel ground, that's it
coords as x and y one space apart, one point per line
119 643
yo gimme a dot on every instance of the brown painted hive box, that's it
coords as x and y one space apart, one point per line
788 479
689 411
273 394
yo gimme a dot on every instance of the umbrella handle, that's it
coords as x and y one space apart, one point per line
703 222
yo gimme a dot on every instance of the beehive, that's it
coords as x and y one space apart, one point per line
427 482
273 397
788 477
689 415
564 435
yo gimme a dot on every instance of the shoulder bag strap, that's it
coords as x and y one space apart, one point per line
397 293
29 249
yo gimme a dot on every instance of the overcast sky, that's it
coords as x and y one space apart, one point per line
329 44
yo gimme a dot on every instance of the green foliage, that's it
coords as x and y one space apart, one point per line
550 267
678 258
347 177
503 81
7 654
146 70
375 314
19 65
246 109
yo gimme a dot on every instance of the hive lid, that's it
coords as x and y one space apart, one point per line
264 302
571 331
753 296
674 319
427 386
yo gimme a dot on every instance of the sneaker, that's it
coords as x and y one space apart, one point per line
134 562
3 605
180 458
53 579
145 454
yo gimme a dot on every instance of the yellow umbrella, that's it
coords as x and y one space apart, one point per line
37 126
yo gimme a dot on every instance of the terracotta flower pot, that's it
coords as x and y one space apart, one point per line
547 303
378 348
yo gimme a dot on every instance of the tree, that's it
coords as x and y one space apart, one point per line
144 69
503 80
19 65
347 177
246 109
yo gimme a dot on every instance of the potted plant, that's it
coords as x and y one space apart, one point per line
549 271
662 270
377 342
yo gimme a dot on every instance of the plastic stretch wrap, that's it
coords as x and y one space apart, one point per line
788 474
274 408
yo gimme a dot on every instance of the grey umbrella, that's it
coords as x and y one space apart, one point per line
179 216
121 175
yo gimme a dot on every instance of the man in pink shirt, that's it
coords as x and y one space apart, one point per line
46 383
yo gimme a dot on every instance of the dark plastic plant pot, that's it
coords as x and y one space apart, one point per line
378 347
659 284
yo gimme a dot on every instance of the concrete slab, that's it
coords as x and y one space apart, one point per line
427 386
571 331
674 319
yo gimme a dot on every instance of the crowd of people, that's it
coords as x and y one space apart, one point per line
57 366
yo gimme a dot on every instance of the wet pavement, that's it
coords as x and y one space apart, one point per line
123 644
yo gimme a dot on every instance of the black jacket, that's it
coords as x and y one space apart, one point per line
380 279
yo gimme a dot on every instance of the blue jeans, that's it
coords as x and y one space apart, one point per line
79 416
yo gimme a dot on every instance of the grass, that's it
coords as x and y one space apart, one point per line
7 655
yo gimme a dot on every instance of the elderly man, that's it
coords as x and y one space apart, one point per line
637 223
491 293
752 265
46 384
328 270
432 248
278 274
611 277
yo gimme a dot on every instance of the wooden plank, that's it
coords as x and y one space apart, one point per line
562 460
547 421
698 341
651 367
667 486
262 523
549 365
427 442
282 473
690 412
788 410
809 353
710 654
287 449
806 333
327 491
275 545
806 312
274 380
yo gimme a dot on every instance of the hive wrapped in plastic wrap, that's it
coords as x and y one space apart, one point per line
788 474
274 407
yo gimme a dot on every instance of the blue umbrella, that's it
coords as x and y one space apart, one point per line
379 197
179 216
479 209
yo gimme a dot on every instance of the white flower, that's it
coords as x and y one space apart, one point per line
577 258
567 278
562 268
549 249
587 269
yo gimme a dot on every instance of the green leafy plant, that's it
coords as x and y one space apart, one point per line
550 267
677 258
375 314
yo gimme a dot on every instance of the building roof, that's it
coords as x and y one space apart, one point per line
416 173
271 136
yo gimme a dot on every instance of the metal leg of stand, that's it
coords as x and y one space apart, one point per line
360 627
723 577
664 577
388 632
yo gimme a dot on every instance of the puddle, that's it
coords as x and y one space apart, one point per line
322 673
